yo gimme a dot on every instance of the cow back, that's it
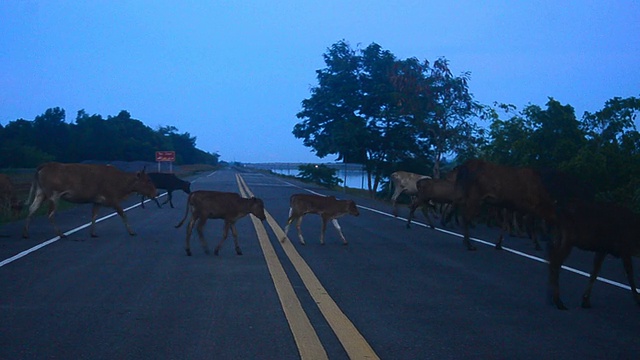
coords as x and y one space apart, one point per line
92 182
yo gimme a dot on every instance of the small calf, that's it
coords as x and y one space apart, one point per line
219 205
169 182
328 207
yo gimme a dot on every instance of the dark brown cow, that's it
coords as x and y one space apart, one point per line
429 191
519 189
328 207
101 185
404 182
169 182
603 228
219 205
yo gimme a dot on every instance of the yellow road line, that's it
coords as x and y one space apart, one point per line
306 338
353 342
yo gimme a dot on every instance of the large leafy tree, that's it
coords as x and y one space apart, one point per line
332 123
439 107
374 109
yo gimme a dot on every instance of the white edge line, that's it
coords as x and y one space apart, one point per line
54 239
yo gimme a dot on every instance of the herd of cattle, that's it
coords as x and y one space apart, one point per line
550 204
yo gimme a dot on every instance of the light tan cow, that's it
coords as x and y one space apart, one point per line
100 185
404 182
328 207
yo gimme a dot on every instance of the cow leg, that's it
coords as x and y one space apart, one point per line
120 212
235 239
557 255
170 198
298 226
597 264
323 229
225 233
412 209
290 219
628 268
394 199
426 206
155 199
53 204
337 226
189 230
200 229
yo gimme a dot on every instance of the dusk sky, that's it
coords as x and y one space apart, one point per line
234 73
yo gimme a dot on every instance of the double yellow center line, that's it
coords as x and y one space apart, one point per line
305 336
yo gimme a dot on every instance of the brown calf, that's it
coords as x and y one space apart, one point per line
404 182
328 207
101 185
603 228
520 189
219 205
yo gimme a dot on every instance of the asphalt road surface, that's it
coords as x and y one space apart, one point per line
392 293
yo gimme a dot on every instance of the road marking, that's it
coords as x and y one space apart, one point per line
352 341
54 239
513 251
306 338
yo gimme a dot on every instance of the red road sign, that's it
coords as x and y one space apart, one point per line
165 156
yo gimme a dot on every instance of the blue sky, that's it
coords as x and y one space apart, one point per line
234 73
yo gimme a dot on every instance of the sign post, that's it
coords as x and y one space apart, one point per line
166 156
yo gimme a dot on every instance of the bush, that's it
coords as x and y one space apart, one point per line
320 174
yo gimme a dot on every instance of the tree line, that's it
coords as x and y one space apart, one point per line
48 137
389 114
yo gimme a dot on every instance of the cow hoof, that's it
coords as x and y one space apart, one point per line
238 251
188 252
345 244
586 303
216 251
498 247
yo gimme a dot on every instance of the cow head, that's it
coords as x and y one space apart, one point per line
257 208
186 187
144 185
353 209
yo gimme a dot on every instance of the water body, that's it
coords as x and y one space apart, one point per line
352 175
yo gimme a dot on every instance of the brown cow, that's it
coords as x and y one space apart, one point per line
219 205
404 182
603 228
520 189
328 207
101 185
441 191
430 191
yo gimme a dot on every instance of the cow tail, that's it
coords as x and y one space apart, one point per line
186 212
32 190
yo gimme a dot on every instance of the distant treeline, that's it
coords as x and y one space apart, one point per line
49 137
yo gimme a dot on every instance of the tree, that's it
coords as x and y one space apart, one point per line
439 107
51 133
331 120
373 109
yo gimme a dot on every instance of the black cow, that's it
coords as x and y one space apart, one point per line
168 182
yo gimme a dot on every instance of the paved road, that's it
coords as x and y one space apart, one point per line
392 293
